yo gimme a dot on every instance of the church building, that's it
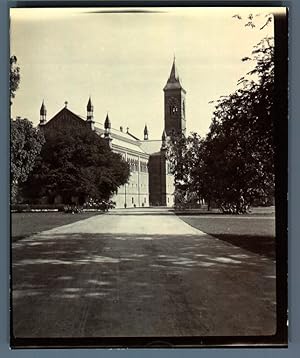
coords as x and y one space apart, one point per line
151 182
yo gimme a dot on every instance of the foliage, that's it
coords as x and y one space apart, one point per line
14 77
240 144
26 141
186 157
76 164
103 205
26 144
176 154
234 165
252 20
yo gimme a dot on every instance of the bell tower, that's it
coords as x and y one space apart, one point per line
174 102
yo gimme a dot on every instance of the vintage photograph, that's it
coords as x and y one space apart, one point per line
148 163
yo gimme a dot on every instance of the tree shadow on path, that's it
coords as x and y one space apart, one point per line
93 285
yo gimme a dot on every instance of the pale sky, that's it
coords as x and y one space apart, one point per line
123 61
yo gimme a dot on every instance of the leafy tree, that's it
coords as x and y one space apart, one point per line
14 77
234 165
177 155
26 144
26 141
76 164
240 147
187 165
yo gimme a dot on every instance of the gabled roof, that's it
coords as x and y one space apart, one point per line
63 113
115 133
122 140
151 146
131 135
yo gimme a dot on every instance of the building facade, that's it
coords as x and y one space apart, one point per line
151 182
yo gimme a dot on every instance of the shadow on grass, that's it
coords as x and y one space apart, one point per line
26 224
262 245
255 234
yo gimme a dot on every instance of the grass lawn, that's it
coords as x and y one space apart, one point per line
26 224
253 233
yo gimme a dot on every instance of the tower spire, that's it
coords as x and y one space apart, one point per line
43 113
89 106
174 72
174 79
90 114
146 133
107 123
107 128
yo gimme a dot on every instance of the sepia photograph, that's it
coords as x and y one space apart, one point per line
148 176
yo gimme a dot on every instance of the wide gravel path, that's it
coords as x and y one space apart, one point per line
139 273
